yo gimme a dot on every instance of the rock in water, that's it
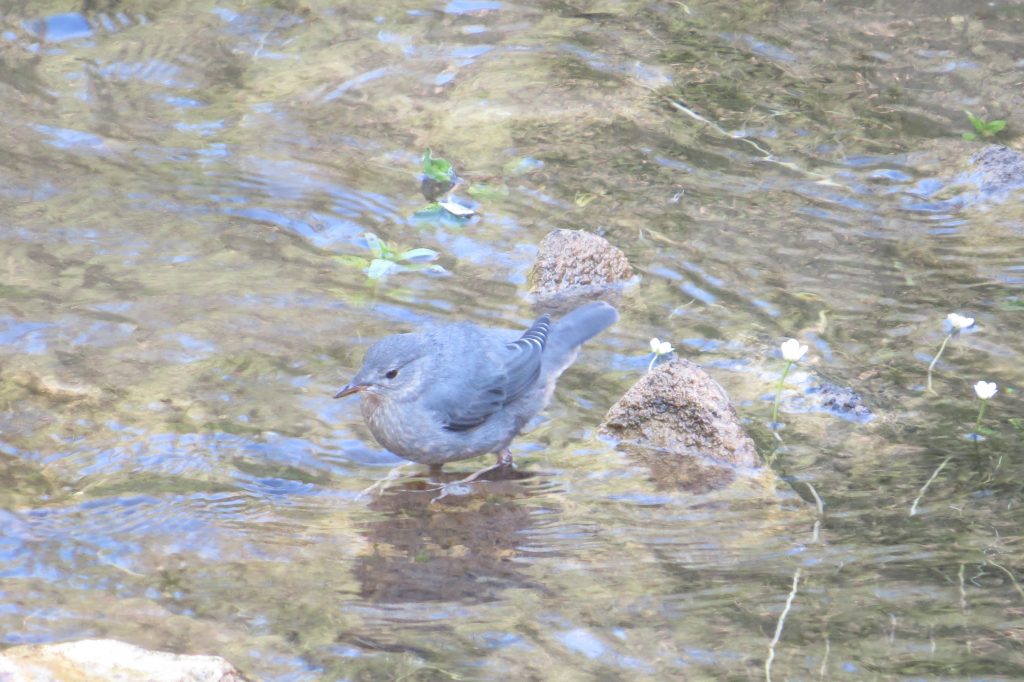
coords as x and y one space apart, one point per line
996 169
103 660
577 263
679 422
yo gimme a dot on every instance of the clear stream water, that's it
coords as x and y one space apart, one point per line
184 190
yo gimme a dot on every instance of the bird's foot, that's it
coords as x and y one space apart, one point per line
504 460
380 485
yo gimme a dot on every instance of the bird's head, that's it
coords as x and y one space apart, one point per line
392 369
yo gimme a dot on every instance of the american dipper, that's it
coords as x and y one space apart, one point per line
457 391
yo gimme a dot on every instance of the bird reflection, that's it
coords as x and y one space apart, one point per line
464 547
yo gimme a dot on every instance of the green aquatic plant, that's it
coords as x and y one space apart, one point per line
387 260
924 488
957 324
437 169
985 129
985 390
792 352
488 191
438 176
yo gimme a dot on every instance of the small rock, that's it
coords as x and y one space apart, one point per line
997 169
679 422
577 263
991 176
841 401
434 189
104 660
53 388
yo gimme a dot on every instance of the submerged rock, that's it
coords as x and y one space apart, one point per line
433 189
996 169
102 660
965 179
841 401
679 422
52 387
577 263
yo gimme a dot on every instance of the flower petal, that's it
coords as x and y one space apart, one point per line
793 350
985 389
959 322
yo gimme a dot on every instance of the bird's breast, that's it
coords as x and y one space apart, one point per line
398 426
410 431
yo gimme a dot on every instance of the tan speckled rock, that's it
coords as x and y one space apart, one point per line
679 422
577 263
103 660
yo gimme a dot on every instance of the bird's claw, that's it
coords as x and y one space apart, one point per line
504 460
382 483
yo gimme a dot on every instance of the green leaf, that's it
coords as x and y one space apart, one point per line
351 261
522 166
979 124
983 127
418 255
380 268
377 247
435 215
483 192
429 213
433 268
437 169
993 127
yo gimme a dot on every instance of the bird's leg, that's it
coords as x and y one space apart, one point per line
382 483
504 460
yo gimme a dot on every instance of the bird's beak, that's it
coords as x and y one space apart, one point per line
349 389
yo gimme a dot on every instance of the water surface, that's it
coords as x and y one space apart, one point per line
185 190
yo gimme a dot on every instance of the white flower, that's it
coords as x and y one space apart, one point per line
985 389
661 347
959 322
793 350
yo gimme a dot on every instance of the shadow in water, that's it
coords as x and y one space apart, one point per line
461 547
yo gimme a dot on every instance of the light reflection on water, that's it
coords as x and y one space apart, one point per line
185 193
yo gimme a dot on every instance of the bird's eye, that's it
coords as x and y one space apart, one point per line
392 374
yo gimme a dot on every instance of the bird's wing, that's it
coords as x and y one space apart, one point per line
522 364
505 379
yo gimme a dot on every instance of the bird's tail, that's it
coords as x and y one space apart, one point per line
574 329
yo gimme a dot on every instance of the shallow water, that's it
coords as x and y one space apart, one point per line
185 188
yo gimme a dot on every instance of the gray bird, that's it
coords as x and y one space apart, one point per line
457 391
